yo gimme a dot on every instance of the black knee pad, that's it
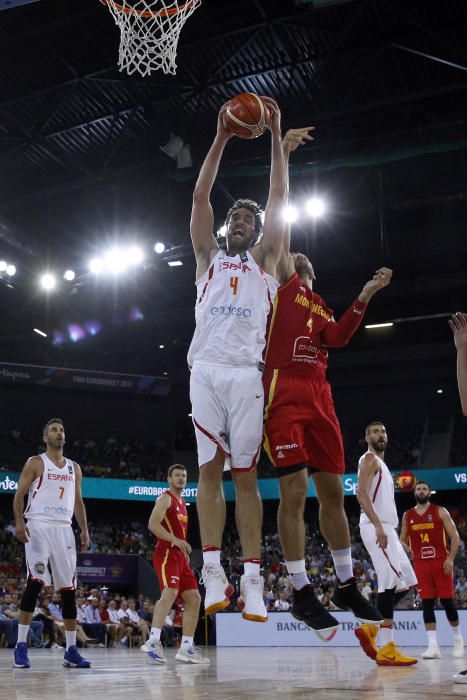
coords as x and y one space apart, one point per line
29 597
428 605
386 601
69 611
451 612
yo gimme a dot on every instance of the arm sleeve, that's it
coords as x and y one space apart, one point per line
337 334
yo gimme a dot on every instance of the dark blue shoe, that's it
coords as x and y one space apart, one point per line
21 656
73 659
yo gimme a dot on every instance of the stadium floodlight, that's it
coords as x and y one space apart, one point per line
439 391
315 207
11 270
135 255
379 325
116 261
96 266
39 332
3 265
69 275
161 347
48 281
290 213
159 248
175 263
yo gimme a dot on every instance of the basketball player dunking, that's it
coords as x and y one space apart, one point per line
426 529
169 522
54 484
235 291
378 523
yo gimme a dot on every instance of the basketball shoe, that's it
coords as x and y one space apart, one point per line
366 635
347 597
432 652
458 647
190 654
307 608
218 589
21 656
251 601
460 677
73 659
154 650
389 655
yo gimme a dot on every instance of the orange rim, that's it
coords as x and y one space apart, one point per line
151 13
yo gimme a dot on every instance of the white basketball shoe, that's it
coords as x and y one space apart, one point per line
432 652
218 589
458 647
251 600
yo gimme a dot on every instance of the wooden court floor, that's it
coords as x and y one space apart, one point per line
234 673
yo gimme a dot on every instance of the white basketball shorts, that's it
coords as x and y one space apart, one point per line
54 545
392 564
227 411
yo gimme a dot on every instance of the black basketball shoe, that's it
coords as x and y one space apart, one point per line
307 608
348 597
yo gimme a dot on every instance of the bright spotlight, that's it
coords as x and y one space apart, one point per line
48 281
96 265
3 265
159 248
175 263
290 213
135 255
11 270
315 207
116 261
39 332
69 275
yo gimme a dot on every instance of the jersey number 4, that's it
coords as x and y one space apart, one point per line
234 284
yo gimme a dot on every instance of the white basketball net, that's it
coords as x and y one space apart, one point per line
149 32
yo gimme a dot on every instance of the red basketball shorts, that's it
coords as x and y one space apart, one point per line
301 425
432 581
173 570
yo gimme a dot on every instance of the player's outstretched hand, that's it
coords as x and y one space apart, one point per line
275 113
85 541
458 324
184 547
222 130
293 138
22 532
381 537
380 279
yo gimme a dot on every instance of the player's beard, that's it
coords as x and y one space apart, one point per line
379 446
422 500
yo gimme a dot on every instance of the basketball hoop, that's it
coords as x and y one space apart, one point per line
149 32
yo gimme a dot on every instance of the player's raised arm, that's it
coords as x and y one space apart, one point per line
31 471
80 510
158 514
368 468
458 324
202 217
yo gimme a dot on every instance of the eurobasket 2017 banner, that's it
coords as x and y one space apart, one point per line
125 490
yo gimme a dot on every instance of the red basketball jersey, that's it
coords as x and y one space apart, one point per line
175 521
426 534
298 320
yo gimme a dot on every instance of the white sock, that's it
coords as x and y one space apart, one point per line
70 638
342 559
212 557
156 634
123 640
22 633
297 573
455 630
187 640
386 635
431 634
251 569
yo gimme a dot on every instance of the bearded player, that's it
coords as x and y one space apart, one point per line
235 291
426 529
169 523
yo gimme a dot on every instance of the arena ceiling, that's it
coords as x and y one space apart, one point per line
383 81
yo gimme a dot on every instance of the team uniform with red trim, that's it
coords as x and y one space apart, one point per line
301 423
391 564
172 569
429 544
234 299
49 512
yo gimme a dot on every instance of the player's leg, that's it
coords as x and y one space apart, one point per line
188 653
209 422
153 646
453 617
433 651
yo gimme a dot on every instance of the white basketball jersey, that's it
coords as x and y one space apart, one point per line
52 496
381 494
234 298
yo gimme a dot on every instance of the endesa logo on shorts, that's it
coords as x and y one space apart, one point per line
230 311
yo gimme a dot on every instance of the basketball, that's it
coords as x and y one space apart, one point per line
247 116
